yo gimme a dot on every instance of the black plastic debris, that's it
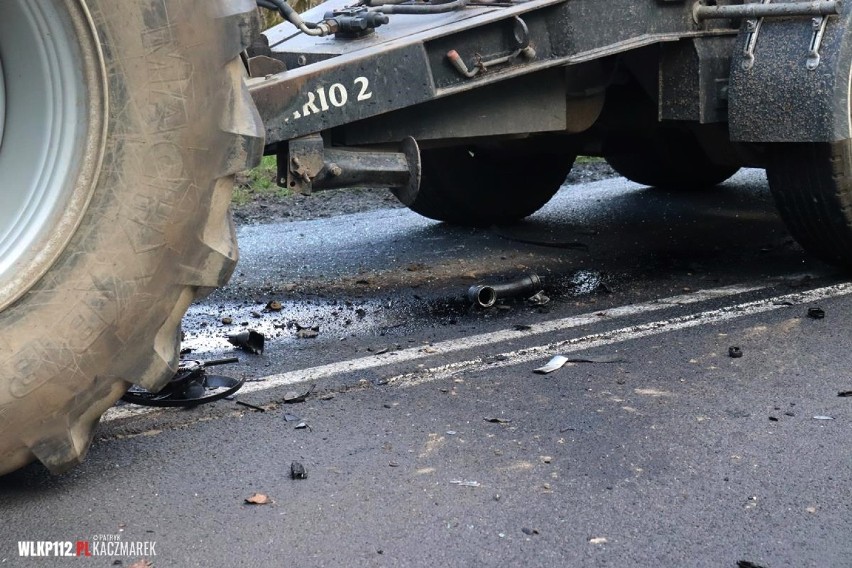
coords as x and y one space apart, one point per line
298 471
495 420
252 406
190 386
529 532
844 394
292 397
735 352
291 417
539 299
521 327
816 313
248 340
486 295
773 419
748 564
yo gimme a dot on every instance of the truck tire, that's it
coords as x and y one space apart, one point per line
125 123
478 186
812 187
671 160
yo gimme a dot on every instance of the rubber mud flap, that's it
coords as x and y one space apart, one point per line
155 231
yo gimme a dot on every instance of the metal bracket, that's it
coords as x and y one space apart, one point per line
521 38
752 31
819 25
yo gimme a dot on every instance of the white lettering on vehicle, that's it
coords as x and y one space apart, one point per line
322 99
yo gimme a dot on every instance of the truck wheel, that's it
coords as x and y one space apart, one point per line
672 160
124 124
812 187
476 186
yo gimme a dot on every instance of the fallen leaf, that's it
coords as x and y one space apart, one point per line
258 499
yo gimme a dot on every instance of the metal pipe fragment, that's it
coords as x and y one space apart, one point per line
486 295
761 10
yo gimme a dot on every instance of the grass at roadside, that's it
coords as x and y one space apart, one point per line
259 181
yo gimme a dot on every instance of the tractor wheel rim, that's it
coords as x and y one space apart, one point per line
52 117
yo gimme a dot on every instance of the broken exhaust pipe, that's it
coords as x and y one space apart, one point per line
486 295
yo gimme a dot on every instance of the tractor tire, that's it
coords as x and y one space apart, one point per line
479 187
671 160
812 187
125 122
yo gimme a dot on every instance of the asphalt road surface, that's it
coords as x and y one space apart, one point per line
430 441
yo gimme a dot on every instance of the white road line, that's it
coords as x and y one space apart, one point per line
461 344
567 346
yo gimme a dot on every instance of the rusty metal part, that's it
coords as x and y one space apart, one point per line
701 12
309 165
486 295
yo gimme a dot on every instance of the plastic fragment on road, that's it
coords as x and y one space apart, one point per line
495 420
823 418
845 394
816 313
598 540
556 363
735 352
298 471
465 483
292 397
249 340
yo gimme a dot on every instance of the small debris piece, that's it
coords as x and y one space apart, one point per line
598 540
811 510
451 432
845 394
599 359
539 299
521 327
554 364
529 532
274 306
258 499
735 352
773 419
816 313
139 564
377 350
393 464
298 471
546 459
256 315
328 396
253 407
308 332
291 397
747 564
249 340
302 426
823 418
495 420
290 417
465 483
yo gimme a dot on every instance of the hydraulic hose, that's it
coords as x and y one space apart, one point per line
420 8
294 18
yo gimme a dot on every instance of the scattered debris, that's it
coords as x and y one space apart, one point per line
302 426
328 396
521 327
291 397
274 306
298 471
735 352
258 499
378 350
539 299
546 459
308 332
556 363
190 386
600 359
143 563
845 394
486 295
291 417
598 540
253 407
823 418
248 340
465 483
747 564
773 419
451 432
529 532
497 420
816 313
256 315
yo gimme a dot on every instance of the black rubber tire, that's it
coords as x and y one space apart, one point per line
812 187
483 186
671 160
155 235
